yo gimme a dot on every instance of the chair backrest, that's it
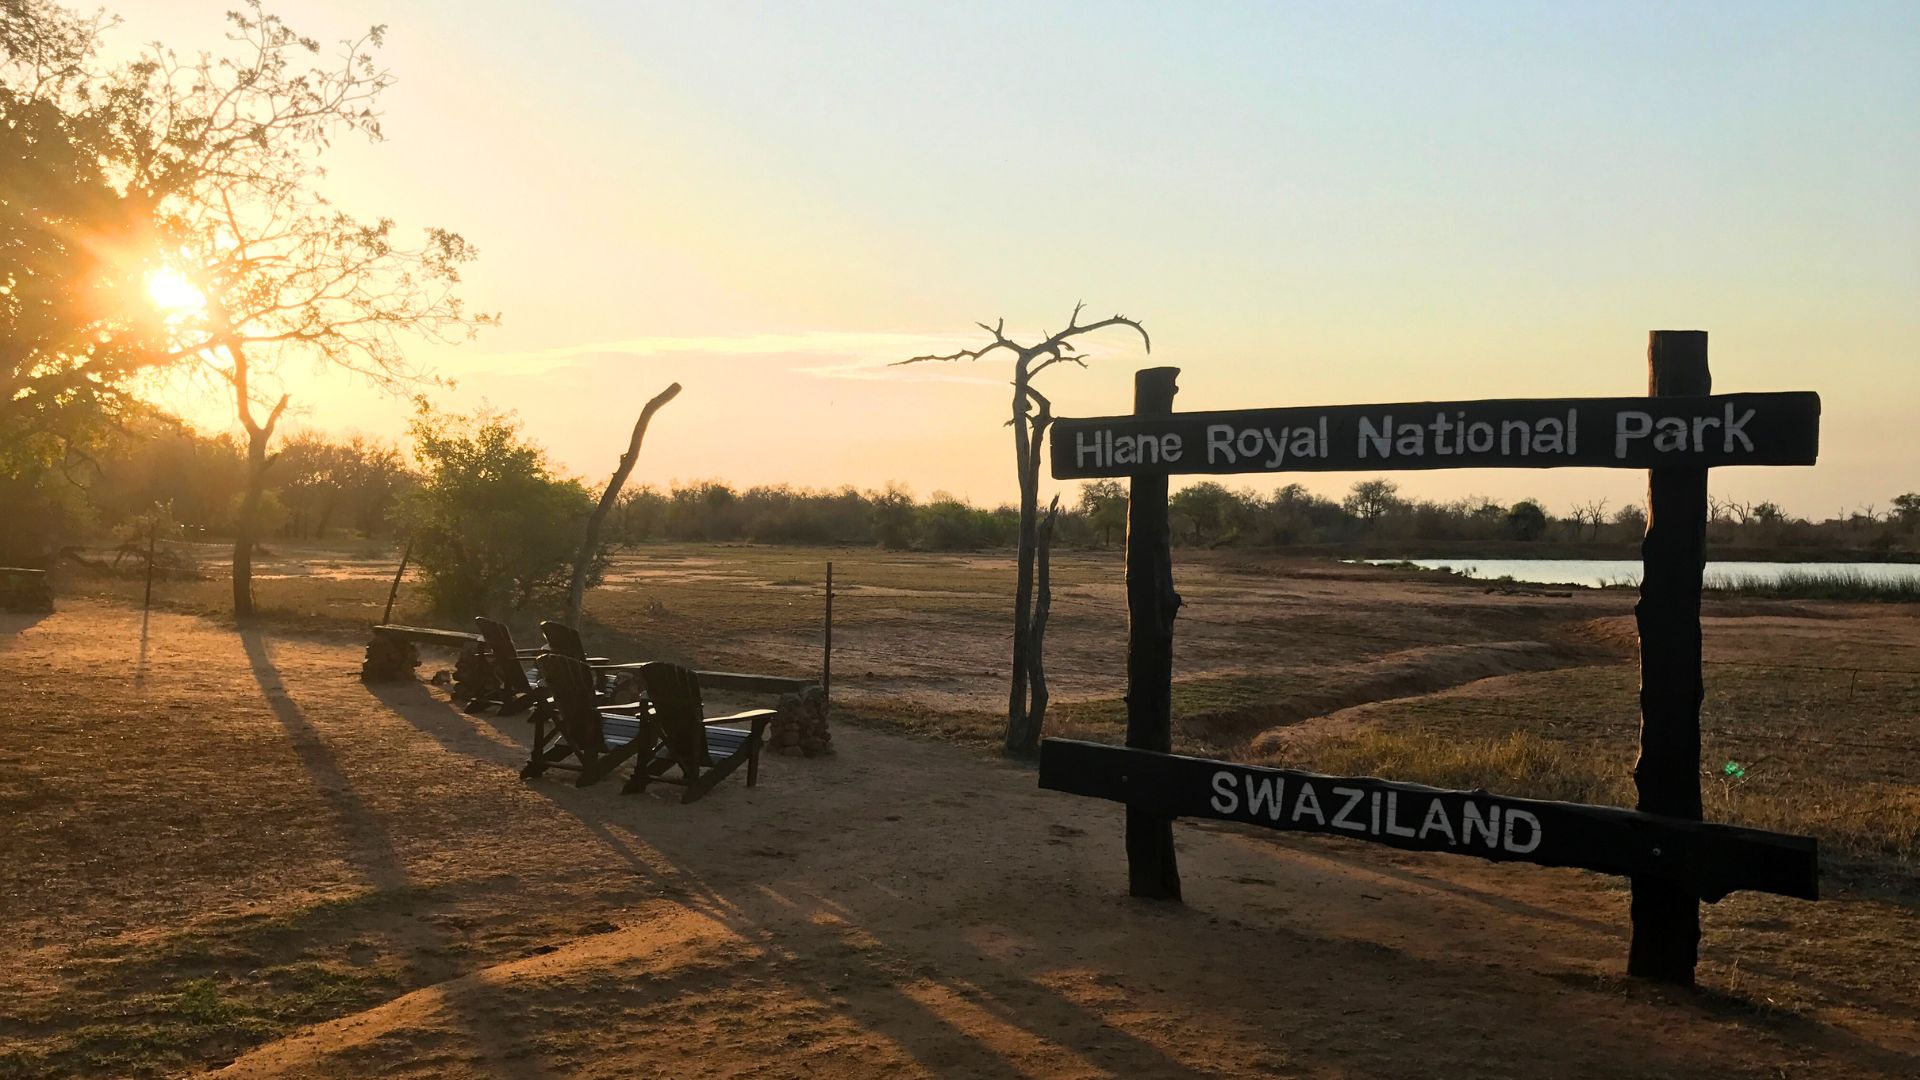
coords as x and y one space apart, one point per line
564 639
504 655
571 683
675 693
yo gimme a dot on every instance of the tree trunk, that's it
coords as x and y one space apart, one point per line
1023 558
1037 638
247 528
577 587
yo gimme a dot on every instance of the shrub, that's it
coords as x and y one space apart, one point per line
492 525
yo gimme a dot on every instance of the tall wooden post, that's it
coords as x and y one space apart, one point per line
1151 606
1666 918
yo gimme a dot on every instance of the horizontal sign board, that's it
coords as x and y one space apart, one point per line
1521 433
1708 860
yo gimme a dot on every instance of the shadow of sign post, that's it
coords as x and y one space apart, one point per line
1677 433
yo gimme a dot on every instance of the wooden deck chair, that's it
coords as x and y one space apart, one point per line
705 750
514 694
566 641
573 732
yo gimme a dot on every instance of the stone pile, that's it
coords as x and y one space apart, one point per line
800 724
389 660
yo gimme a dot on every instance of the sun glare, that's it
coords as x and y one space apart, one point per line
174 294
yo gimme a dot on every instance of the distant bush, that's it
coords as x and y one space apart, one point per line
947 524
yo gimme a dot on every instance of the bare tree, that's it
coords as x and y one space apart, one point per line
583 563
1032 414
1594 513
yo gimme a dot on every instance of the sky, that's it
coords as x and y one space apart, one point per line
1305 204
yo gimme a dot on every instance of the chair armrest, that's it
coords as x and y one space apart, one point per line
751 716
626 707
634 665
525 653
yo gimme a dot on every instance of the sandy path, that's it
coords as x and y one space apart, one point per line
906 908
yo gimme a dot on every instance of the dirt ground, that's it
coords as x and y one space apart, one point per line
223 852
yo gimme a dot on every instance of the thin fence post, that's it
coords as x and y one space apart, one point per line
826 650
152 527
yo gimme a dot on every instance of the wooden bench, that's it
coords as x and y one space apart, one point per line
25 590
394 651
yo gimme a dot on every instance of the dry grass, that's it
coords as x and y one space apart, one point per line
1809 753
1824 753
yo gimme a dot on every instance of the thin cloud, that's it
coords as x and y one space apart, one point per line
860 356
848 350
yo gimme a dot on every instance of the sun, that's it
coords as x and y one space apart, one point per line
174 294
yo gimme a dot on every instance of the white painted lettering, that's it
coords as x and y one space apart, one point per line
1277 445
1340 818
1548 438
1220 444
1225 799
1629 425
1672 435
1270 790
1471 818
1085 443
1436 820
1738 430
1510 428
1381 436
1307 803
1394 828
1533 832
1249 443
1700 426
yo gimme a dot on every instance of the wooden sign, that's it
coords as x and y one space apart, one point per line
1677 433
1708 861
1520 433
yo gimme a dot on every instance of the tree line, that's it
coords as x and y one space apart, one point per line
321 487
